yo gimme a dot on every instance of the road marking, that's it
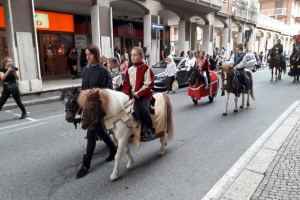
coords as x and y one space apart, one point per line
22 128
12 126
28 118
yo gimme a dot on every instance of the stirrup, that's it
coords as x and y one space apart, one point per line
149 135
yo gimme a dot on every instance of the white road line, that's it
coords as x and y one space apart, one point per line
12 126
28 118
22 128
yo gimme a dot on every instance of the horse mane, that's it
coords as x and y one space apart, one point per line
108 102
196 70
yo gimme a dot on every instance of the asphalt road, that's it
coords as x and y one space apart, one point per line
41 155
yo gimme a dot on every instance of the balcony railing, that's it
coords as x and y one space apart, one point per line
275 12
213 2
243 12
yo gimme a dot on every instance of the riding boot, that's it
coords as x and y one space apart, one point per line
150 135
85 167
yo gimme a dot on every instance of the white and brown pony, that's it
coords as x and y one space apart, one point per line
227 74
101 104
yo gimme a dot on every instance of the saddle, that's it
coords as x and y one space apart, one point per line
239 84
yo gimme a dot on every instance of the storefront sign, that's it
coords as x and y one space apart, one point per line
41 20
2 22
80 42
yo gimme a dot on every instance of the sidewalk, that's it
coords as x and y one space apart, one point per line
270 169
51 92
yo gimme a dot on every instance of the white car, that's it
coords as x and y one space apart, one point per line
251 64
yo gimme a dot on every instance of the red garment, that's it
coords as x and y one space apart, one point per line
139 80
202 63
298 39
197 91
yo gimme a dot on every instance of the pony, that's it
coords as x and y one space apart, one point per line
227 75
294 61
69 98
274 61
100 104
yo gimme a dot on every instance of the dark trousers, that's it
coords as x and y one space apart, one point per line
91 140
70 67
170 81
141 110
241 77
6 93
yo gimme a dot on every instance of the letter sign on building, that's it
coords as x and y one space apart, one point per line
41 20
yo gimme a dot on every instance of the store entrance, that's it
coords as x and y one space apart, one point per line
53 48
133 42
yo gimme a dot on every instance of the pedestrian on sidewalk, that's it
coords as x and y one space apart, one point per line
83 61
9 75
171 72
146 55
116 53
95 76
69 61
113 66
190 62
124 52
123 67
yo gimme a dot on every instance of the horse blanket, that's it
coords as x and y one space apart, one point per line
159 120
198 90
294 70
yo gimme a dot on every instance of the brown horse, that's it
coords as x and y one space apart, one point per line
102 105
274 61
227 74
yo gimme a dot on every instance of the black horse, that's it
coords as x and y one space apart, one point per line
69 98
194 77
295 62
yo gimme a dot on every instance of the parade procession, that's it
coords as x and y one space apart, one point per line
150 99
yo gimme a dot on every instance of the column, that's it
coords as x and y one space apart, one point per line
226 39
150 37
22 42
262 43
241 34
194 34
208 36
184 36
102 27
252 40
270 42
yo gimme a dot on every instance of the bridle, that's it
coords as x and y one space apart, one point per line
94 120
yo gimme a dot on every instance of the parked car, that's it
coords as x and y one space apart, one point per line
251 64
160 67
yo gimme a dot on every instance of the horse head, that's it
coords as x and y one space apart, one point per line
194 75
226 75
273 52
296 48
94 104
69 98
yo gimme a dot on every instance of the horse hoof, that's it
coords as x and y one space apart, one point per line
113 180
235 111
129 169
224 114
241 107
160 154
248 104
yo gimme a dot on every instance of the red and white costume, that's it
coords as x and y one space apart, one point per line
139 80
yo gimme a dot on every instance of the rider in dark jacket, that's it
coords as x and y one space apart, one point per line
279 47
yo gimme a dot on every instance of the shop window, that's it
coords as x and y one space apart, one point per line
79 24
3 45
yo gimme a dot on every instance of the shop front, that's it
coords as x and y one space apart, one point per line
56 33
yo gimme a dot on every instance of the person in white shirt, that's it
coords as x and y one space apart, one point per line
171 72
190 62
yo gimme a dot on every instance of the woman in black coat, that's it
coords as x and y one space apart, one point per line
95 76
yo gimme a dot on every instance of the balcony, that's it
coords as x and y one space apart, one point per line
213 2
278 12
242 12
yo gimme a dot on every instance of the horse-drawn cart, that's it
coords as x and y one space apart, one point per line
197 90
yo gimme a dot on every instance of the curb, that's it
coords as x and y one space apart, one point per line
32 102
238 171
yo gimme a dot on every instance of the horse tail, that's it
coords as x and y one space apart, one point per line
170 127
251 85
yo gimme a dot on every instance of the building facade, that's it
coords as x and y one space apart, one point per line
37 33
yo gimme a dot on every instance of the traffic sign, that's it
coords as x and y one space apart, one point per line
157 26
